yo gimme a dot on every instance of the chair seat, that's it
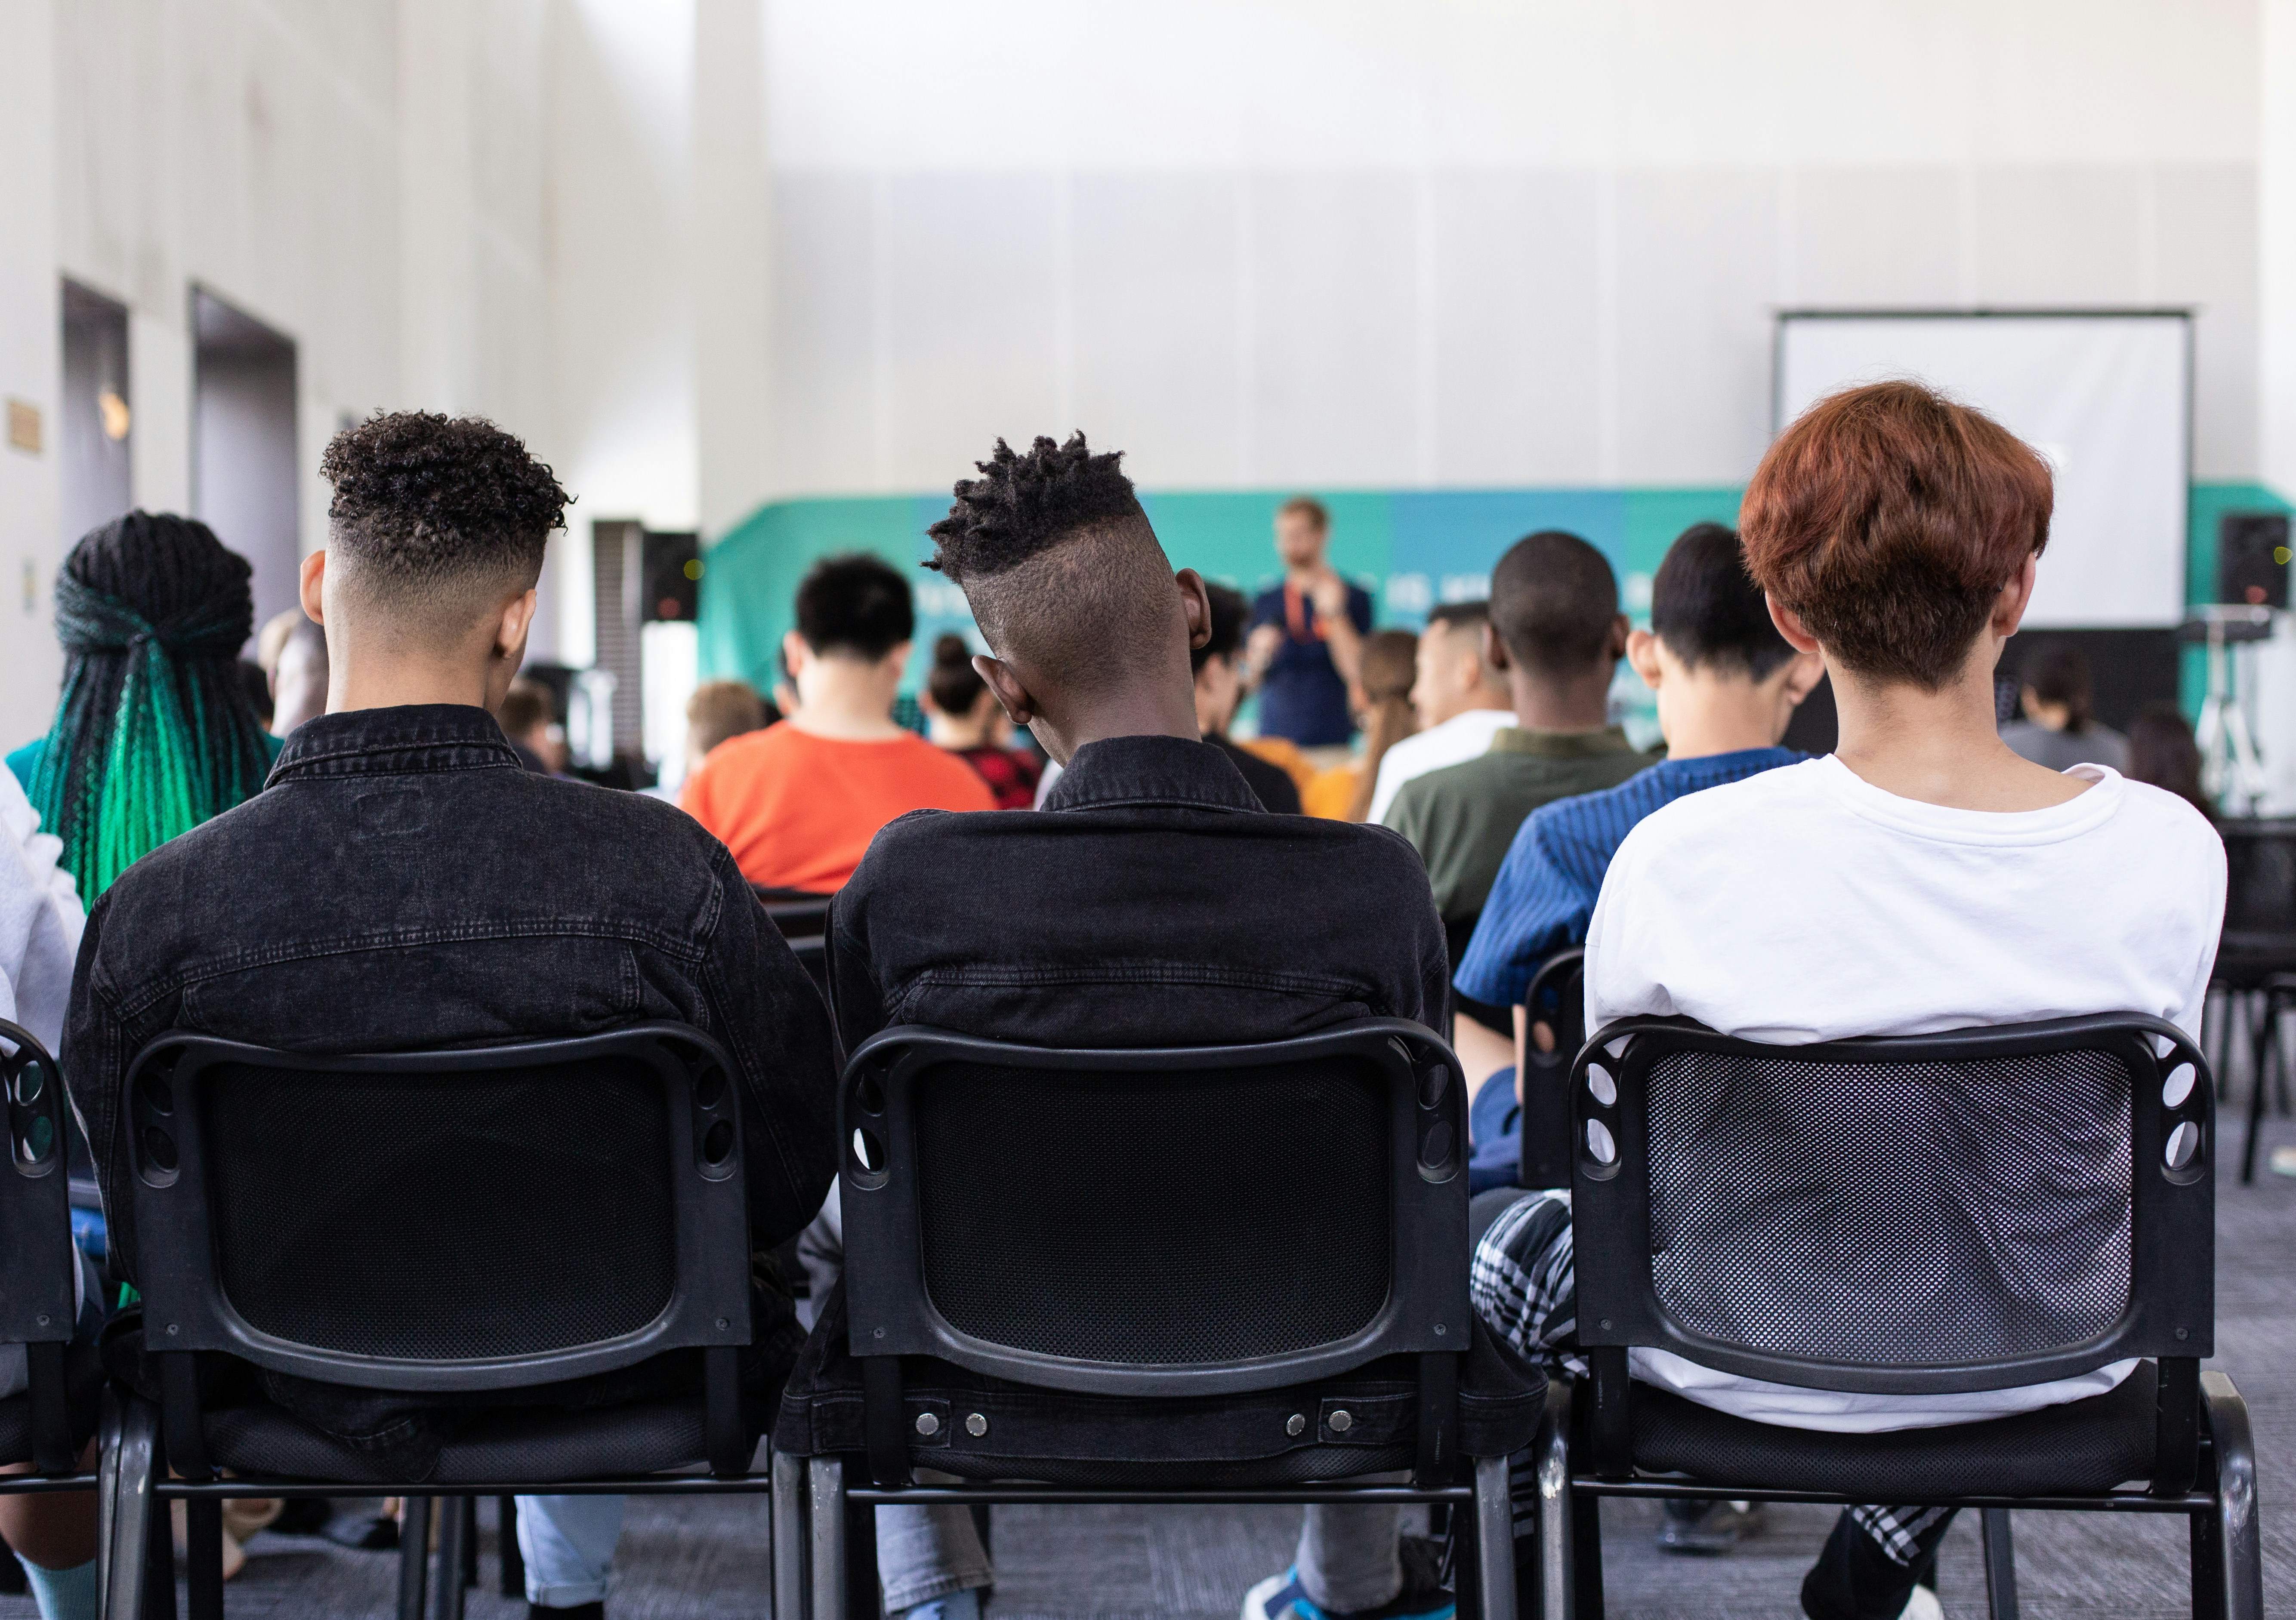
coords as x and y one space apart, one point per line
1060 1436
523 1445
2083 1446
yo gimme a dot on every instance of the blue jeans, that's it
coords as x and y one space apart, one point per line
568 1542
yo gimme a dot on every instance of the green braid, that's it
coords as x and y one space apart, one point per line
152 733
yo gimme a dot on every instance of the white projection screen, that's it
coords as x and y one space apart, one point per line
2107 398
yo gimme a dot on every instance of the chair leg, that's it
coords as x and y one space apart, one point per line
470 1540
1586 1557
414 1556
124 1511
826 1508
513 1561
1494 1539
2000 1564
203 1558
453 1525
788 1536
159 1565
2237 1576
1557 1544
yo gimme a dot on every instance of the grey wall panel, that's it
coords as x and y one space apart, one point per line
1332 288
824 368
1871 238
1156 326
1516 297
2204 234
1698 277
2059 235
970 318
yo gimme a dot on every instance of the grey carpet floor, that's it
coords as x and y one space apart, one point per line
685 1561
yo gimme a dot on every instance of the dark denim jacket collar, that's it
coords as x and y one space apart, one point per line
1123 772
415 737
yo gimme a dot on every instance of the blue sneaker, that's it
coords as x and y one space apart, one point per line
1282 1598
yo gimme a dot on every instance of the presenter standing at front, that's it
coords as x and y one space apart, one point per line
1307 635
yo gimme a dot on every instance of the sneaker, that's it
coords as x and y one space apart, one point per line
1707 1528
1282 1598
2283 1161
1923 1605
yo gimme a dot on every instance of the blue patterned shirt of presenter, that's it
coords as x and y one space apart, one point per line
1545 895
1303 696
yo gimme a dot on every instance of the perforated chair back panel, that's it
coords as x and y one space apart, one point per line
496 1213
1052 1222
1891 1213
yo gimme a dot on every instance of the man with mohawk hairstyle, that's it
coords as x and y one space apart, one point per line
1152 902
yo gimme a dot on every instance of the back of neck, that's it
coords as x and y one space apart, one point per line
1573 703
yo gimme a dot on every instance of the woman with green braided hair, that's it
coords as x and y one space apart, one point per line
153 733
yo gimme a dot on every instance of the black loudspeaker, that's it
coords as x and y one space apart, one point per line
673 578
2252 558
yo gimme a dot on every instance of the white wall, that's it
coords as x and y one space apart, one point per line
30 369
1361 244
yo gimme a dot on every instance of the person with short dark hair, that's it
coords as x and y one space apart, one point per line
798 802
962 716
1219 665
1920 878
1151 902
1307 634
2162 751
1460 702
2060 729
456 900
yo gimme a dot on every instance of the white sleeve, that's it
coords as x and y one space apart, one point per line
2207 880
1625 976
40 919
1385 786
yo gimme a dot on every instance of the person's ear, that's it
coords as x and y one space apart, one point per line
1012 697
1803 672
1495 649
511 630
2009 607
1196 603
795 654
313 591
1642 653
1790 626
1621 626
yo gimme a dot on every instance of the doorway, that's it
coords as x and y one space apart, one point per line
91 422
243 446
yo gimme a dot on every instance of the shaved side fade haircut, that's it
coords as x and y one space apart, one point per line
1063 573
435 519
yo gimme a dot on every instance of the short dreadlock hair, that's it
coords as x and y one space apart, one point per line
434 517
1064 575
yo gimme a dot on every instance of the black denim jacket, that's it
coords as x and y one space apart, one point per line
402 883
1151 902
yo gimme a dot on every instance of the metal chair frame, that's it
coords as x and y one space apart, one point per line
1545 1098
2204 1455
892 1314
37 1284
186 1308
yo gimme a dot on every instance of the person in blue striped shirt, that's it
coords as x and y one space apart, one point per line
1726 683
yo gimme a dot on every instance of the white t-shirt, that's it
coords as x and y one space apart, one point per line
1807 904
1456 741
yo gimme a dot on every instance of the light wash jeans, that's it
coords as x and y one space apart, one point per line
923 1553
568 1542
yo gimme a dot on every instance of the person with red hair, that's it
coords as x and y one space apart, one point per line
1923 877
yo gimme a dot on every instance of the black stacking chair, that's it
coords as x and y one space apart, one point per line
456 1223
1973 1210
1225 1274
50 1423
2256 960
1556 996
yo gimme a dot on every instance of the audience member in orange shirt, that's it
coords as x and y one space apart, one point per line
797 803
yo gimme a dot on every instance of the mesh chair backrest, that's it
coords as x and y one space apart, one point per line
2260 889
495 1213
1155 1219
1898 1214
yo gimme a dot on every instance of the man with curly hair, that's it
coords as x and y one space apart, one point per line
1152 902
401 883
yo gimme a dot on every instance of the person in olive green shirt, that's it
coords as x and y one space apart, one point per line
1556 632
